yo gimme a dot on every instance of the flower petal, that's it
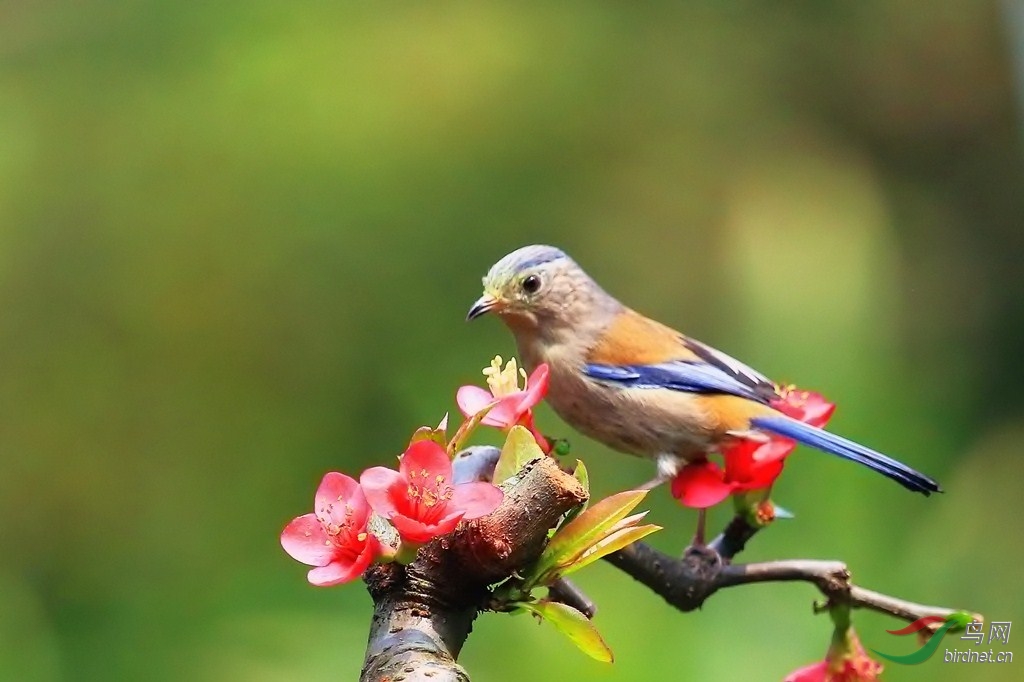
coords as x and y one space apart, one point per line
472 399
506 412
305 540
337 572
514 407
750 465
817 410
775 449
542 442
386 490
815 672
700 485
806 406
536 387
348 565
339 500
416 531
761 475
475 499
425 456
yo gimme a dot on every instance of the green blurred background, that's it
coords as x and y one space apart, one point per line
237 243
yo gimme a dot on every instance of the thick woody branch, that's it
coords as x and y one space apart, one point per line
423 612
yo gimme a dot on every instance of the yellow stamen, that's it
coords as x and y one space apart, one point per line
503 382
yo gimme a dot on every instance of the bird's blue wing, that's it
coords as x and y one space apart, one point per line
678 375
730 365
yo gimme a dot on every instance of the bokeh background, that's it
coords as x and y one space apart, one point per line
238 239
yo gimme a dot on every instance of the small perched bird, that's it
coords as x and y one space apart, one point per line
639 386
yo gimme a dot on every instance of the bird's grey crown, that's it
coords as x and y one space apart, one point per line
523 259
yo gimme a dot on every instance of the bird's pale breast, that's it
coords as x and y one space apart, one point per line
638 421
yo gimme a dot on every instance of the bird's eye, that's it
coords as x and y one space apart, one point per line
531 284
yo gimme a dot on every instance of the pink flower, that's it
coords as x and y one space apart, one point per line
815 672
749 464
845 662
334 537
514 404
420 500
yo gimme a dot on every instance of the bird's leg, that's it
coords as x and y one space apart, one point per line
702 524
651 484
668 466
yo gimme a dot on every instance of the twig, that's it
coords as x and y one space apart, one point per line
734 538
687 583
567 592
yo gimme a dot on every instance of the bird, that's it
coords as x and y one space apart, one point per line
637 385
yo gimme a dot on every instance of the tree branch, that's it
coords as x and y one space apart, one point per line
423 612
686 583
832 578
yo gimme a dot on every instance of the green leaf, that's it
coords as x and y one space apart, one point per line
573 625
612 543
591 526
581 475
429 433
520 447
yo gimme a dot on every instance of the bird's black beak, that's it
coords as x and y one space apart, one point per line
484 304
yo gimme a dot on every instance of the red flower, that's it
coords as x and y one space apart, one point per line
420 500
846 662
514 404
705 484
806 406
334 537
749 464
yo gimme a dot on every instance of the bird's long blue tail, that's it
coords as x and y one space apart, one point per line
847 449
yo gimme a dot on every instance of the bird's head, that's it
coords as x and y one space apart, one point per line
539 289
